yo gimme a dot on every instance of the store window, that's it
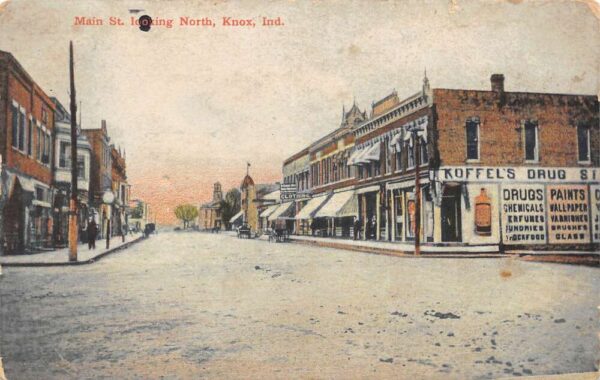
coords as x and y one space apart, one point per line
399 215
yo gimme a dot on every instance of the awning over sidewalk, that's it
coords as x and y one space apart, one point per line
27 184
373 154
284 211
236 217
311 207
336 204
269 210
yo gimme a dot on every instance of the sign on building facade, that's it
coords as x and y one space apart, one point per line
539 205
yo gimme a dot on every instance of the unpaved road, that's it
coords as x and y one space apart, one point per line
191 305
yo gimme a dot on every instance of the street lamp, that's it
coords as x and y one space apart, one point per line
108 198
414 130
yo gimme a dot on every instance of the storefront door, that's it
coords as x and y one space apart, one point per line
451 218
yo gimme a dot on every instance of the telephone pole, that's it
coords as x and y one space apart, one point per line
73 202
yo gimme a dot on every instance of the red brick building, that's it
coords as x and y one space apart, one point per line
26 142
120 189
100 173
498 170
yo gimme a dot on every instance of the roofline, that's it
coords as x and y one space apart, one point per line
517 92
29 78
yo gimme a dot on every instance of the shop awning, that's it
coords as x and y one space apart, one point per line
284 210
269 210
355 157
36 202
311 207
373 154
335 204
27 184
236 217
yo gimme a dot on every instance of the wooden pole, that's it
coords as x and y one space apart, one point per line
73 201
417 195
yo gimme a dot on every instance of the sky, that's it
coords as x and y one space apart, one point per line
191 105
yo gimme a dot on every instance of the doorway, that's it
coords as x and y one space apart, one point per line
451 217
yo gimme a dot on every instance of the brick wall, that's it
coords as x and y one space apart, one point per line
18 86
501 138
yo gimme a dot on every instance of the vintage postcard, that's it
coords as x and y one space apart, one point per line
341 189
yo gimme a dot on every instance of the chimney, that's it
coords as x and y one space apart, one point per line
497 83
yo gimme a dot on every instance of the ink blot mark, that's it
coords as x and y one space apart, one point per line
145 23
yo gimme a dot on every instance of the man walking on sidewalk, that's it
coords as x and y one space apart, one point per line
92 231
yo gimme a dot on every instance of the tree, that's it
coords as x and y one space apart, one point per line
138 211
230 205
186 213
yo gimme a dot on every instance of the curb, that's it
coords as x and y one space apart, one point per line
391 252
68 263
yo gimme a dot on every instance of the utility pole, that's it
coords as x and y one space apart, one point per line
73 202
414 130
417 194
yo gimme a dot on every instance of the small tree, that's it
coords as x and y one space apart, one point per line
230 205
186 213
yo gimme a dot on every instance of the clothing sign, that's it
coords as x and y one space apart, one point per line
287 191
523 214
568 217
595 204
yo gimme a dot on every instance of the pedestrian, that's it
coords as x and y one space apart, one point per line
92 231
357 227
313 227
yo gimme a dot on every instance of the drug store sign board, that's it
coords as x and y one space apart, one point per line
523 214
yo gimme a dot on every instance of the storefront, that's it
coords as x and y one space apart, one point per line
518 207
371 218
263 217
302 226
402 211
282 216
339 213
307 213
27 214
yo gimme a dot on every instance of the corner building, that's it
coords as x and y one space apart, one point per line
497 171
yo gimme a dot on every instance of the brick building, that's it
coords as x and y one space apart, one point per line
120 189
26 135
100 174
498 170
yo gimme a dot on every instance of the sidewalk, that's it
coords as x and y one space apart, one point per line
60 257
399 249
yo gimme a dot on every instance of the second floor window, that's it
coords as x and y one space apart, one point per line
65 155
531 141
423 152
472 140
81 167
30 137
15 126
410 154
583 143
